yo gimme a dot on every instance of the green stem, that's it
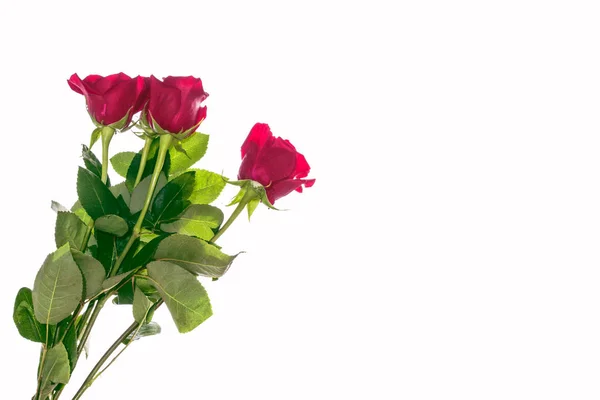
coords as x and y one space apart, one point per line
90 378
165 144
249 195
96 372
145 151
107 134
133 327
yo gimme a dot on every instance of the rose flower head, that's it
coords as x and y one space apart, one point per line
111 100
274 163
175 105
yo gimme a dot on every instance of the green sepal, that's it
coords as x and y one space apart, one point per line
252 204
95 136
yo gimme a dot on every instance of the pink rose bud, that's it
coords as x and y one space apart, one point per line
113 99
274 163
175 105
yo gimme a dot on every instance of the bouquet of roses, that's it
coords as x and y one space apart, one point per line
143 242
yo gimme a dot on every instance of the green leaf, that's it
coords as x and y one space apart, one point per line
197 220
194 255
70 343
58 287
121 162
149 329
56 366
106 251
113 281
143 255
138 197
112 224
173 198
94 196
93 273
207 187
185 297
57 207
121 190
92 163
24 317
69 229
78 210
194 149
141 305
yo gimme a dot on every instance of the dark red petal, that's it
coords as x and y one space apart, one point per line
76 84
103 85
142 92
97 107
164 104
119 100
276 161
282 188
302 167
258 136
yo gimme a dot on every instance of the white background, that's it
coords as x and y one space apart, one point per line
449 248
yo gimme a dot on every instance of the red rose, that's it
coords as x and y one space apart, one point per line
175 105
113 98
274 163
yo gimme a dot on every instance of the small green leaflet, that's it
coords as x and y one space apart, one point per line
56 366
121 162
24 317
95 197
112 224
197 220
193 148
92 271
69 229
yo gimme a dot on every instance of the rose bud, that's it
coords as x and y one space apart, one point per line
111 100
274 163
175 105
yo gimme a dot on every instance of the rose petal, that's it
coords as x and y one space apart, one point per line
276 161
164 104
258 136
282 188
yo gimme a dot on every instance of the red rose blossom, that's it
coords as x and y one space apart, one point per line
112 98
176 104
274 163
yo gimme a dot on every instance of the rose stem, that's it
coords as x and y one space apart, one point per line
165 144
145 151
92 376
